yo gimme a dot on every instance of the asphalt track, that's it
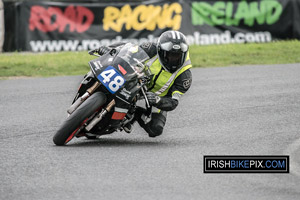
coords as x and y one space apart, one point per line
249 110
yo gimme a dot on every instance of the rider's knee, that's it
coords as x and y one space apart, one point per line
157 124
155 131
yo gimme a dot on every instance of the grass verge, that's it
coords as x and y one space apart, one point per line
75 63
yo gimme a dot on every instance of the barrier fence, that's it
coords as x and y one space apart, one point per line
74 26
1 25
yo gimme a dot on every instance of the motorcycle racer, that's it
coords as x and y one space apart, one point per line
169 65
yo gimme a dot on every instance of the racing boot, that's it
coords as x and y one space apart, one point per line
128 127
137 115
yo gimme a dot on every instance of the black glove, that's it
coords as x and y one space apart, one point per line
153 98
103 50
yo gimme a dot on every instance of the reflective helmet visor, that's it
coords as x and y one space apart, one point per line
174 58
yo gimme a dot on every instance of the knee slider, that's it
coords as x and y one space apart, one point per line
156 131
157 125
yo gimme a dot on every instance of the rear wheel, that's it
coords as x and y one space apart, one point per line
75 121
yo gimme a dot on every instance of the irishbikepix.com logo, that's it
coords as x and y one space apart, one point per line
246 164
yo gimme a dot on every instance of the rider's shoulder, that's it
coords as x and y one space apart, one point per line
187 74
149 48
183 82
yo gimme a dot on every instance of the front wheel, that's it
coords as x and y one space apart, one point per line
74 122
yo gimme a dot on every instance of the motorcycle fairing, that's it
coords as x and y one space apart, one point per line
125 63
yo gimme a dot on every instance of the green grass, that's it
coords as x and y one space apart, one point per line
246 54
44 64
76 63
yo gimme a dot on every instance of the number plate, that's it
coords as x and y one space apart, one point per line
111 79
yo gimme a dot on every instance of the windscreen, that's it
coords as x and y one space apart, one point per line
134 56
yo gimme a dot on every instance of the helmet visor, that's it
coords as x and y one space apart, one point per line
174 59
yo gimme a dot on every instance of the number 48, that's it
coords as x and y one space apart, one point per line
116 83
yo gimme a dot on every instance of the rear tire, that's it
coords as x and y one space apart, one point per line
69 127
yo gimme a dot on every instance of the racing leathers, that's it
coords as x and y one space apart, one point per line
164 90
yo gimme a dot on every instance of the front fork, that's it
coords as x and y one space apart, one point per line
99 117
81 99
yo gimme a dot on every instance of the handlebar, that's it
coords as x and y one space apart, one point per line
93 52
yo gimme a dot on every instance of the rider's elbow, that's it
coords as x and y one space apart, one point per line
168 104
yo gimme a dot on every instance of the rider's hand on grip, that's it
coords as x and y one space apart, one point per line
153 98
103 50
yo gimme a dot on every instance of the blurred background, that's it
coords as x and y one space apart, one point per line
80 25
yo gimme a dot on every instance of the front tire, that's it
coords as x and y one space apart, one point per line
70 126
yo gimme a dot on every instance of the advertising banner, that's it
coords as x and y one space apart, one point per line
54 26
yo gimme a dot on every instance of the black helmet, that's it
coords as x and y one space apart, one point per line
172 50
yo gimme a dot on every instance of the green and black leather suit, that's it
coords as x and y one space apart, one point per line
169 86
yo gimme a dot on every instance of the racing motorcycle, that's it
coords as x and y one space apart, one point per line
107 97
